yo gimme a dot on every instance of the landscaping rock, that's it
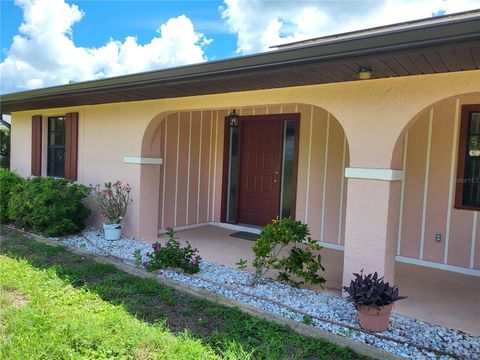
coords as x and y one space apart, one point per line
327 311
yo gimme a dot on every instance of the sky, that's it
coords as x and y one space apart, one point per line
52 42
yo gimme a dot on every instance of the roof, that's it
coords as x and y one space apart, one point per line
426 47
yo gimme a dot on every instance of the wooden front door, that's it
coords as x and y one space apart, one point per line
260 169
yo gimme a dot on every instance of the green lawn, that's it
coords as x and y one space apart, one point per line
58 305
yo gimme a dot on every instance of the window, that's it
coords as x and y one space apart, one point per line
56 146
468 170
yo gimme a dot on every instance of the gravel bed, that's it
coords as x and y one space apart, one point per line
325 311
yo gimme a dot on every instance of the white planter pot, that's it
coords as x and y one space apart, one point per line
112 231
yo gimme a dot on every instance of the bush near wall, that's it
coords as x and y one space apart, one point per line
51 207
8 181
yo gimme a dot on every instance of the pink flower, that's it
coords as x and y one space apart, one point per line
154 245
105 192
158 249
194 261
144 263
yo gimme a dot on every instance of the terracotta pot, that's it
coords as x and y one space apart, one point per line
374 319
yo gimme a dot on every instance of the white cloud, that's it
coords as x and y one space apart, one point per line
260 24
44 53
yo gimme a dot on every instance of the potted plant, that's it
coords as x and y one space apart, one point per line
113 200
373 299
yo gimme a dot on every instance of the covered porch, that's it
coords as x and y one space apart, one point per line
437 296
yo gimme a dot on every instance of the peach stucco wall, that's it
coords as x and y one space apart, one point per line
374 115
428 146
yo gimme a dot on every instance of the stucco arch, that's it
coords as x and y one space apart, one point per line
427 151
461 99
306 209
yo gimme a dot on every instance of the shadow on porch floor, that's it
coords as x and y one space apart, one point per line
436 296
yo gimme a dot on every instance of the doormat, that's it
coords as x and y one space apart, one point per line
245 235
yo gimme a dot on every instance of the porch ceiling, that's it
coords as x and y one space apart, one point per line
433 48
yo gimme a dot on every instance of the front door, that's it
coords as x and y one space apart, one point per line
260 170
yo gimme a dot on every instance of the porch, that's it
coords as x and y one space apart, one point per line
437 296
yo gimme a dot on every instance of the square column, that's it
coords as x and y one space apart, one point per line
372 213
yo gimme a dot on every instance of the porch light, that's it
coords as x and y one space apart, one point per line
364 73
233 119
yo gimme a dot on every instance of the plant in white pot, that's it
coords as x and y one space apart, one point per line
113 200
374 299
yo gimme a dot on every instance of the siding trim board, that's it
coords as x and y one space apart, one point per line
425 185
325 171
374 174
474 239
342 191
435 265
309 163
402 196
452 179
142 160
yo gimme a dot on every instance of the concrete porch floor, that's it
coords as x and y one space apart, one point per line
437 296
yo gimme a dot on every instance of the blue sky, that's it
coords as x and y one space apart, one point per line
117 19
52 42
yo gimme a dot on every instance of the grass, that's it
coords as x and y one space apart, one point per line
58 305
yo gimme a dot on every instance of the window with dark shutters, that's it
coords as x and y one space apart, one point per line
62 150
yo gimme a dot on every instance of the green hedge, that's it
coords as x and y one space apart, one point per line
8 181
49 206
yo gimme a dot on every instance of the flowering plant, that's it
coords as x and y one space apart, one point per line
113 200
173 255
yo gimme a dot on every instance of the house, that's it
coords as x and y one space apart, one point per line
371 137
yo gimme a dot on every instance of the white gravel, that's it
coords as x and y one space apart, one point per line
327 311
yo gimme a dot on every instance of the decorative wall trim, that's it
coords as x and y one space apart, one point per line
142 160
440 266
425 184
332 246
402 196
374 174
451 186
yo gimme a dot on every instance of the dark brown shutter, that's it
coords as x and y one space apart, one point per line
71 146
37 145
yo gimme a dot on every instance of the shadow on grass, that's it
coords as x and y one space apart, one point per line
152 302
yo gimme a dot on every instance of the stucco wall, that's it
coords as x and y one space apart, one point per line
430 145
373 114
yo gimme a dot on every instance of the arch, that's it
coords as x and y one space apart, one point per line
397 154
430 227
152 182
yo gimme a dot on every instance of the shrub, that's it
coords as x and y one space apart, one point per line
173 255
371 291
113 200
303 261
8 181
49 206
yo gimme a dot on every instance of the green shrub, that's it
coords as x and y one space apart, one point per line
49 206
8 181
173 255
303 261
